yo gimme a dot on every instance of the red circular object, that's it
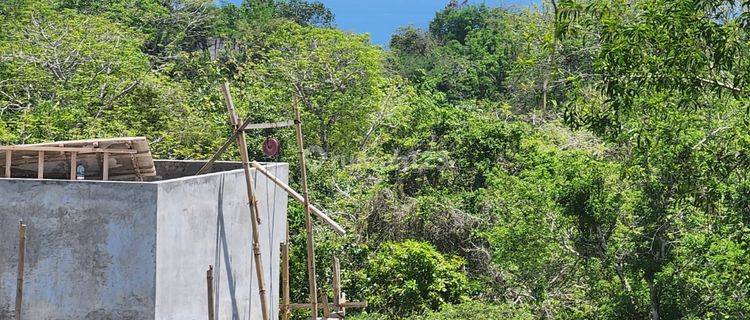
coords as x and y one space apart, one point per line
271 147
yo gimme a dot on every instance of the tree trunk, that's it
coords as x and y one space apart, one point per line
653 300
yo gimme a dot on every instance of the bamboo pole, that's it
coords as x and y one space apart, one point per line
308 218
210 287
320 214
242 146
105 166
40 165
21 262
285 298
73 165
336 285
8 162
324 302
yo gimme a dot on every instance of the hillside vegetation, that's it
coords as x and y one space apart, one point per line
586 159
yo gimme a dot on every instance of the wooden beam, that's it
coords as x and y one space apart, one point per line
65 149
210 288
320 214
73 165
40 165
21 262
105 166
8 162
269 125
308 219
298 306
254 213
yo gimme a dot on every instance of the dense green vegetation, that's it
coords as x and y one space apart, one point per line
585 160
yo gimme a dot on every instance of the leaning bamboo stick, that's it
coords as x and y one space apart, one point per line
242 145
210 288
324 302
308 218
320 214
21 262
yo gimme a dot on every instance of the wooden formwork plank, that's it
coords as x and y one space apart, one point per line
127 158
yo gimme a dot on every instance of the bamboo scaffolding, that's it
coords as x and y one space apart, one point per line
242 146
320 214
21 262
308 218
246 126
235 133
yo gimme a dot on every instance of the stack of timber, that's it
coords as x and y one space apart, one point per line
121 159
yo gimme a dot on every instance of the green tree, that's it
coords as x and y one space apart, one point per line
337 76
67 75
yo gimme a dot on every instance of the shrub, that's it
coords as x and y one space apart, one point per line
412 277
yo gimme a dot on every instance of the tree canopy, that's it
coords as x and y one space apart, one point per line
583 159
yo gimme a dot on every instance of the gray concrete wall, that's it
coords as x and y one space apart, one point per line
205 221
126 250
90 249
169 169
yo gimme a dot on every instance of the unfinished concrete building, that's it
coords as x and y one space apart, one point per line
98 249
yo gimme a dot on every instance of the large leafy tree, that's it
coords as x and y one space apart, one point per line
336 76
674 76
67 75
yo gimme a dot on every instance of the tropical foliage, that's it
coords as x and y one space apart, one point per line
582 159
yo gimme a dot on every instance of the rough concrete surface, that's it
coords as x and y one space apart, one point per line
132 250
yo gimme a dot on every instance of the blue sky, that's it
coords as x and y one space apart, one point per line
380 18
